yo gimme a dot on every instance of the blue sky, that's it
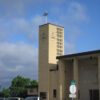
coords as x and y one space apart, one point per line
19 23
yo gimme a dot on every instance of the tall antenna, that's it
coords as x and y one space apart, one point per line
45 15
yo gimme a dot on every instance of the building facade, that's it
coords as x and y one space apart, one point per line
84 68
32 90
51 45
56 70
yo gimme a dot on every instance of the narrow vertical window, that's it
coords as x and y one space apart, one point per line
54 93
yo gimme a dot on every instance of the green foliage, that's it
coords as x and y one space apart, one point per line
34 83
19 86
5 93
1 94
20 82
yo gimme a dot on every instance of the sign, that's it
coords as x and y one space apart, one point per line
72 95
73 82
72 89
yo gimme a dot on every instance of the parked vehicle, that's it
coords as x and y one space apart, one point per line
15 98
3 98
32 98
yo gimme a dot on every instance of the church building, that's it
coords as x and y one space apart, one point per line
56 70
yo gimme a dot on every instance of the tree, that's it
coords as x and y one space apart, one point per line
34 83
5 92
18 86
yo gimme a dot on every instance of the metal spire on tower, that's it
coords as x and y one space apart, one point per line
45 15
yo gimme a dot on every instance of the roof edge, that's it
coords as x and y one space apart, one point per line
78 54
51 24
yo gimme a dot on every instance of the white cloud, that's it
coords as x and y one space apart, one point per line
77 12
15 69
20 26
71 18
18 59
22 58
74 17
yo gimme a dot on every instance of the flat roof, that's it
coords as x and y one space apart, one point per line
52 24
78 54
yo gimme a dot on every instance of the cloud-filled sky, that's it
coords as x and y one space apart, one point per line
19 24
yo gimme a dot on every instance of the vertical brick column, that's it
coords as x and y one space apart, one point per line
99 74
67 79
75 74
61 81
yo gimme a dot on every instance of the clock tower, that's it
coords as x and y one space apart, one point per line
51 45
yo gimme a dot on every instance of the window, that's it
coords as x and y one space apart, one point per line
59 36
58 50
43 95
59 46
59 54
54 93
31 90
78 94
94 94
57 67
59 29
59 40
